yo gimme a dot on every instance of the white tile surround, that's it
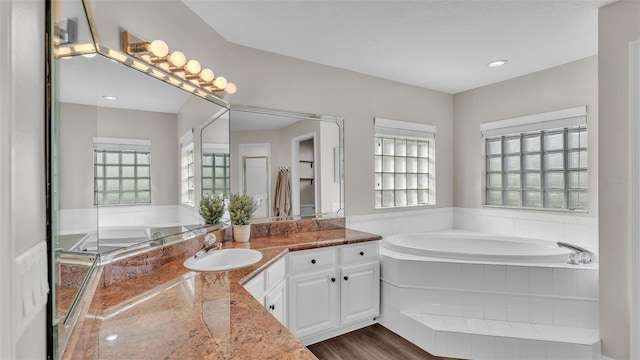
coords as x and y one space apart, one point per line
82 220
557 226
487 311
403 222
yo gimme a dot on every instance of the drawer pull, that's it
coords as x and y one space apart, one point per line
272 307
333 279
313 261
361 253
346 278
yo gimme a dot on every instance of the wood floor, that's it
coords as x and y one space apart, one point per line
374 342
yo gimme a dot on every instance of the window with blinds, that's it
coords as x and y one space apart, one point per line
537 161
122 174
404 164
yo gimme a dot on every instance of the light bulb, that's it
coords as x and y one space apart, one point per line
159 48
206 75
220 82
231 88
177 59
193 67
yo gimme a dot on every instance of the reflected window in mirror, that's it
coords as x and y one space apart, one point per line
216 169
122 171
404 164
188 189
187 176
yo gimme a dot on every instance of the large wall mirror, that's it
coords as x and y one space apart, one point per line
125 162
289 162
124 180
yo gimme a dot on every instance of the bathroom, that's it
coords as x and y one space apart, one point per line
595 83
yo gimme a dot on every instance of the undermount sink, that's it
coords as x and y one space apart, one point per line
226 259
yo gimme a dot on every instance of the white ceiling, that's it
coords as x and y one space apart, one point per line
442 45
248 121
86 80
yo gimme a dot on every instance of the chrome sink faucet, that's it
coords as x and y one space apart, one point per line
208 245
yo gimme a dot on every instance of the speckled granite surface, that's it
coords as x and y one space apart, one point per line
168 312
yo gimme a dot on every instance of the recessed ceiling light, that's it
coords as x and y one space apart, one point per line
109 97
496 63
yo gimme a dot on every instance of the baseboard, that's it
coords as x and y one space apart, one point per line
315 338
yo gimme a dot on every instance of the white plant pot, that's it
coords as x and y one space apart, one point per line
241 233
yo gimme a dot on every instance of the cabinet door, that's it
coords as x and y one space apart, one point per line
255 287
276 302
360 288
313 302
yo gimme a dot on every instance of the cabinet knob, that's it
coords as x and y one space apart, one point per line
333 279
346 278
313 261
361 253
272 307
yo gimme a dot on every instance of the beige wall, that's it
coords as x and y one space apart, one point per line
329 192
619 24
308 87
275 81
80 123
23 218
561 87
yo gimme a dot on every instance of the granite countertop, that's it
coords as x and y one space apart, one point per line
169 312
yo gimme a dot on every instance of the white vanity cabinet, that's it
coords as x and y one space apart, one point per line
270 289
332 290
313 291
360 285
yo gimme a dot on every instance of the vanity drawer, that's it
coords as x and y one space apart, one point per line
309 260
274 274
359 252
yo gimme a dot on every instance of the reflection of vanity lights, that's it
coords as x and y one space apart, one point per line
156 54
110 98
66 51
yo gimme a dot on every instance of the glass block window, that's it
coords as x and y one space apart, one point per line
187 171
544 169
122 177
403 165
216 174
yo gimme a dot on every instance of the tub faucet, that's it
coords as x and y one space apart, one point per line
580 255
208 245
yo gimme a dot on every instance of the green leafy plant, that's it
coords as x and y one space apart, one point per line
211 208
241 208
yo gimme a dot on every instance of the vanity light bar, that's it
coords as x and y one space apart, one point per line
64 51
156 54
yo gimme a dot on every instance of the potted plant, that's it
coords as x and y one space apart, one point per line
211 208
241 208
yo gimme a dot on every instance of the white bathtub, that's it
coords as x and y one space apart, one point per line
444 290
474 246
110 238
